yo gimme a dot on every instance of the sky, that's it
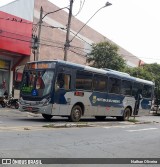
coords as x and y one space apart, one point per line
132 24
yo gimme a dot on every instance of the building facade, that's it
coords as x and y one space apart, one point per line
19 25
15 40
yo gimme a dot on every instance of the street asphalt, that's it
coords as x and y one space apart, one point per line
12 117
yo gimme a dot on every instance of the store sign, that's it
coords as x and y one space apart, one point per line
4 64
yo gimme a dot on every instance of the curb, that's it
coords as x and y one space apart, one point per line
66 125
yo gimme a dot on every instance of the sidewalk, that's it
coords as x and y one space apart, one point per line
61 122
150 117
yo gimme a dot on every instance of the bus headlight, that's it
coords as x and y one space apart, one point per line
46 101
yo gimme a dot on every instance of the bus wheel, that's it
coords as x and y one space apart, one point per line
76 113
100 118
125 116
47 117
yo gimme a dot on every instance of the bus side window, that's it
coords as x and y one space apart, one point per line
114 85
67 82
84 80
147 91
137 89
63 81
100 83
126 88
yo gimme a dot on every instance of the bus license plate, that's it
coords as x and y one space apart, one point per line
29 108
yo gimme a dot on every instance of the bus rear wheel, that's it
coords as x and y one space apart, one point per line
100 118
47 117
76 113
125 116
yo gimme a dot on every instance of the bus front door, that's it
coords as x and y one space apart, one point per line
62 87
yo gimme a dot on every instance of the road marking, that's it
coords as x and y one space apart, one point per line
21 128
119 126
106 127
138 130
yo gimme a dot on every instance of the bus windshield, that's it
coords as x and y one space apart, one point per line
37 82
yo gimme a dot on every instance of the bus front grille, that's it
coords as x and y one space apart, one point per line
30 109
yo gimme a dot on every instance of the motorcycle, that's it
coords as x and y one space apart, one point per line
2 101
11 102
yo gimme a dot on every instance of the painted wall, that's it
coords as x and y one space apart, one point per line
16 20
15 34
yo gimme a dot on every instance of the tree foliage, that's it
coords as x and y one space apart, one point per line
105 55
149 72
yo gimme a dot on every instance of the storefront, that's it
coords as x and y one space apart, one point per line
16 25
4 76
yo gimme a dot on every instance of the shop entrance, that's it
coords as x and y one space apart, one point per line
4 77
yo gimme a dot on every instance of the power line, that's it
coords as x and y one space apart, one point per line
51 45
77 53
81 7
51 41
62 28
11 33
81 38
34 29
16 38
35 24
75 47
62 43
19 37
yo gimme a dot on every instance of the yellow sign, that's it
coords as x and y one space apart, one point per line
4 64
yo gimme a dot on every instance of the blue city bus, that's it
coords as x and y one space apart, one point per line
61 88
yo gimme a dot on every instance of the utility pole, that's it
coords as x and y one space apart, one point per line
67 43
39 33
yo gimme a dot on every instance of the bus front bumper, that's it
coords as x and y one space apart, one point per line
47 109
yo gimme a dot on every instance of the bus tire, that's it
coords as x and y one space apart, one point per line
76 113
47 117
100 118
125 116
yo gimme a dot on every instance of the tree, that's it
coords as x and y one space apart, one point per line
149 72
139 73
105 55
